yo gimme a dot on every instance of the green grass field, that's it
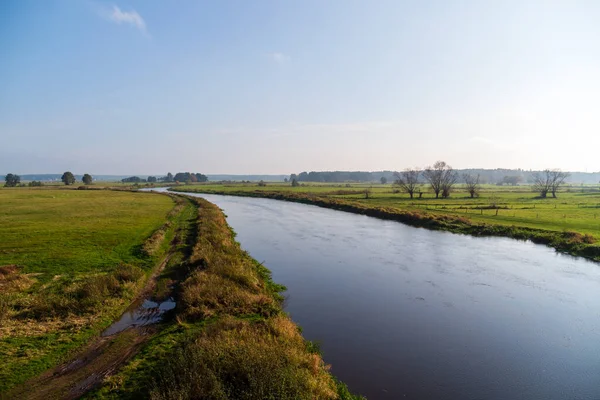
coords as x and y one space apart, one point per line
54 232
576 209
70 261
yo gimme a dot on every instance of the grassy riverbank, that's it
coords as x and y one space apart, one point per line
570 223
229 338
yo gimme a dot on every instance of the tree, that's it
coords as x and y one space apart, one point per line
541 183
441 177
383 180
450 179
12 180
151 179
472 184
558 178
68 178
285 180
548 181
262 183
87 179
295 182
201 177
512 180
169 177
408 180
132 179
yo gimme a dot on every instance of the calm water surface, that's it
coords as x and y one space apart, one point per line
408 313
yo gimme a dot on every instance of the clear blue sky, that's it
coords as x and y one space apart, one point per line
285 86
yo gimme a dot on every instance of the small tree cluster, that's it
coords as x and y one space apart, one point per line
472 184
548 181
185 177
512 180
132 179
441 178
408 180
12 180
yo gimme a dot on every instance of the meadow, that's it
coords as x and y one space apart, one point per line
516 211
70 261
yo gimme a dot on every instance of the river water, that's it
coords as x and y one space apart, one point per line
409 313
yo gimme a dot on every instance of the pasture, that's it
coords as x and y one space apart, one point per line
70 261
577 208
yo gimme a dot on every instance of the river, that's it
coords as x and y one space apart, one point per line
409 313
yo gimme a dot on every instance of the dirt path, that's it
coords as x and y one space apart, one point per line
88 369
97 361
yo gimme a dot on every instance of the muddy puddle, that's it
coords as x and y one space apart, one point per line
141 314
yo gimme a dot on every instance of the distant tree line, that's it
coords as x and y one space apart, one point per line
333 176
12 180
190 177
498 176
178 177
133 179
68 178
441 179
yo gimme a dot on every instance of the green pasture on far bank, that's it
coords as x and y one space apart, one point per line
577 208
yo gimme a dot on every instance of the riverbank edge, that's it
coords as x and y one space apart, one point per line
225 297
567 242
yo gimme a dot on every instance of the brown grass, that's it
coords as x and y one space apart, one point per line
234 359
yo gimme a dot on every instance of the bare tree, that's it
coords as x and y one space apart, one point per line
408 180
441 178
558 177
472 184
548 181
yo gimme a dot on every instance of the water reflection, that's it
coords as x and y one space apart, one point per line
149 312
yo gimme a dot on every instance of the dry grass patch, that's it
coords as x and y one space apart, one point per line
234 359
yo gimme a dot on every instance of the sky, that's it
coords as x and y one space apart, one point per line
270 87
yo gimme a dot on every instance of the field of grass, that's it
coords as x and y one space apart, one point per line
577 209
70 261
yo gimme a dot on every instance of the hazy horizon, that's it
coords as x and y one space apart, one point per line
260 88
